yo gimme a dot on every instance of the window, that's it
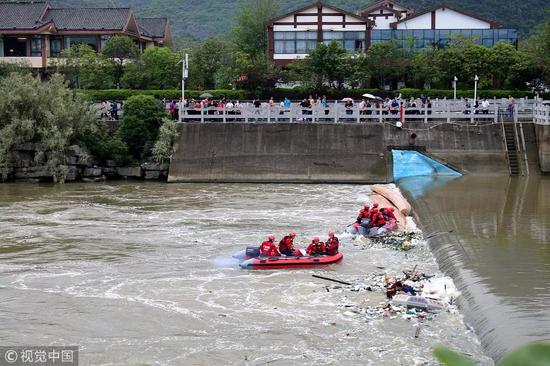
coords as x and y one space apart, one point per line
87 40
294 42
55 47
352 41
419 39
36 47
103 40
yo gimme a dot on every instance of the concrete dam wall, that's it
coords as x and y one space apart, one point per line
326 153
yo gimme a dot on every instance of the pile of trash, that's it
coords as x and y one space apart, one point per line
410 295
401 241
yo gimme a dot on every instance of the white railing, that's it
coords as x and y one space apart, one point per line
338 113
541 114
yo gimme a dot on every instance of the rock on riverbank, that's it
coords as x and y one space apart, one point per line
31 166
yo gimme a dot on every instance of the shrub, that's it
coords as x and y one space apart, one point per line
164 145
143 117
46 113
135 133
106 145
437 93
169 94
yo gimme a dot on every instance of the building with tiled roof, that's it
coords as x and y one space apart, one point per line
34 32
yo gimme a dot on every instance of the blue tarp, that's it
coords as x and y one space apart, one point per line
408 163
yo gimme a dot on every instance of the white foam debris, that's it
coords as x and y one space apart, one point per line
442 288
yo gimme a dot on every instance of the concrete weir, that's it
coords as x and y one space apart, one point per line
326 152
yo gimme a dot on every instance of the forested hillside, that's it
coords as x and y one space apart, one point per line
194 20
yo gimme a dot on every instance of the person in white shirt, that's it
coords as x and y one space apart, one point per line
485 106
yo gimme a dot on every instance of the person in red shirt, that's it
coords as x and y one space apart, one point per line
332 243
363 214
316 247
378 220
286 245
268 248
374 210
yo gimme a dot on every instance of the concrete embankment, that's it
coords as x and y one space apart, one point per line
326 153
543 142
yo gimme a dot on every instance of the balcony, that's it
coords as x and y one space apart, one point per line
34 62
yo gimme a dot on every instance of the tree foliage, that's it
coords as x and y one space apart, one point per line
168 132
120 49
84 68
143 116
533 354
158 68
47 114
250 34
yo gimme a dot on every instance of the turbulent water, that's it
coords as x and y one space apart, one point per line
141 274
498 252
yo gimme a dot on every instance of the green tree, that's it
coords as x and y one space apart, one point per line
250 33
47 113
477 62
538 49
102 143
84 68
120 49
255 73
157 69
143 116
385 63
525 73
502 58
323 66
423 72
209 61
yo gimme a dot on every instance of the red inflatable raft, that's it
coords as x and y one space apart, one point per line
290 262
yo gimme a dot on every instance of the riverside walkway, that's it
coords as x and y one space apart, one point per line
441 111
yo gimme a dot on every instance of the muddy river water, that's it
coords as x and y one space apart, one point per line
141 273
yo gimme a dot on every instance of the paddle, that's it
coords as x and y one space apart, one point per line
332 279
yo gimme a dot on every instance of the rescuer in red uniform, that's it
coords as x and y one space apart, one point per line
363 214
316 247
286 245
332 243
268 248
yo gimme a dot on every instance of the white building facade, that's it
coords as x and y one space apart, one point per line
292 35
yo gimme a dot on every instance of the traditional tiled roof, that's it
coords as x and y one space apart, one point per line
152 27
88 18
21 15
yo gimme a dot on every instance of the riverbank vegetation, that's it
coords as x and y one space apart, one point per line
47 114
42 119
533 354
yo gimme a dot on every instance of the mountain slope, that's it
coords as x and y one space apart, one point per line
194 20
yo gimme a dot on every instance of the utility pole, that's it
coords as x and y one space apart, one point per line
184 75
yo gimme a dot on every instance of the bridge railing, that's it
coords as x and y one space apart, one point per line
338 113
541 114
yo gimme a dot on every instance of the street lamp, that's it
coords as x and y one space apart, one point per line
454 86
476 79
184 75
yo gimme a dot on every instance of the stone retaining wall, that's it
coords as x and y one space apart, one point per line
30 166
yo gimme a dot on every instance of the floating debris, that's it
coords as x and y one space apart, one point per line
403 241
